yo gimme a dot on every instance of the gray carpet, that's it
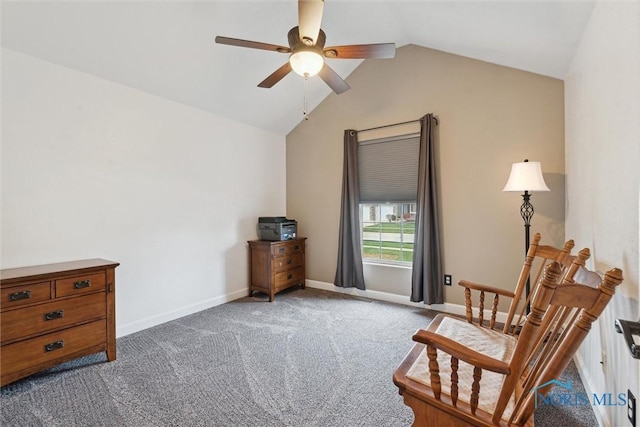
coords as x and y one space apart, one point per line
310 358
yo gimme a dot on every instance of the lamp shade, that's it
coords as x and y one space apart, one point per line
306 62
526 176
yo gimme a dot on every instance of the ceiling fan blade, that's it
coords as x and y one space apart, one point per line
251 44
309 20
276 76
333 80
359 51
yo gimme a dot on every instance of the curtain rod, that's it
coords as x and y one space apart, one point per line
395 124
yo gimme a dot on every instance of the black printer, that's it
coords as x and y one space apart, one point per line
277 228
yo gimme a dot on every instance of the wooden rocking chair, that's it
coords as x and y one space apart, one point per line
462 374
537 258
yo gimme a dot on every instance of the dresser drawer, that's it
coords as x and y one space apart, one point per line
80 284
50 316
25 294
286 248
288 262
289 277
280 249
25 355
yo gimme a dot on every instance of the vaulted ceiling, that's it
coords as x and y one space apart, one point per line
167 48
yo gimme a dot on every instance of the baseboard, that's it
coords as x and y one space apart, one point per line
456 309
598 410
159 319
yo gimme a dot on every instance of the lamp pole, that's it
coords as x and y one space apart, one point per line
526 212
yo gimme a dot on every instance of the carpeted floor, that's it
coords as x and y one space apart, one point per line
310 358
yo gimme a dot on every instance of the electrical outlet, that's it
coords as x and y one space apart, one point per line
631 408
447 280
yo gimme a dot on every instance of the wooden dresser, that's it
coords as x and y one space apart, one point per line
53 313
275 266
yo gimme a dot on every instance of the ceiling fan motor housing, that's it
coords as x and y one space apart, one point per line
296 43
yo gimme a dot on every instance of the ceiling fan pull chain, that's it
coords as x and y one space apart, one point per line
304 107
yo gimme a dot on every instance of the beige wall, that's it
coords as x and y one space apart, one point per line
490 116
602 91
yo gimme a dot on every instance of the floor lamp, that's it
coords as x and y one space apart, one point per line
526 177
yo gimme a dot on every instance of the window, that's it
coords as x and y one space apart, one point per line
387 231
388 178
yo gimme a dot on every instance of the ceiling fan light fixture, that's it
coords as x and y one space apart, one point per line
306 63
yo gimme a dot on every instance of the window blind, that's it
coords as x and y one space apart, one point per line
388 169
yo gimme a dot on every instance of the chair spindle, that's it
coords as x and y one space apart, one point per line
434 370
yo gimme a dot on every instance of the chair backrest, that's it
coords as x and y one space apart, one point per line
562 312
537 259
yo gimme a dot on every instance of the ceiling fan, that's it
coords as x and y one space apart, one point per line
307 51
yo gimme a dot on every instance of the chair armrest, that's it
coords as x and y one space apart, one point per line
486 288
461 352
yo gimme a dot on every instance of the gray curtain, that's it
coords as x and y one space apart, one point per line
349 269
426 282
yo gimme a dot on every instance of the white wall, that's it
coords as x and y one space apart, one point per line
95 169
602 110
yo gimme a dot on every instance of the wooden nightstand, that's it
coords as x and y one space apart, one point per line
275 266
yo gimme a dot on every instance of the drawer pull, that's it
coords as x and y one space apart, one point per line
281 250
54 346
82 284
54 315
17 296
289 276
289 261
296 247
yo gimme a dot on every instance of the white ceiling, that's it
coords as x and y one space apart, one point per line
167 48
